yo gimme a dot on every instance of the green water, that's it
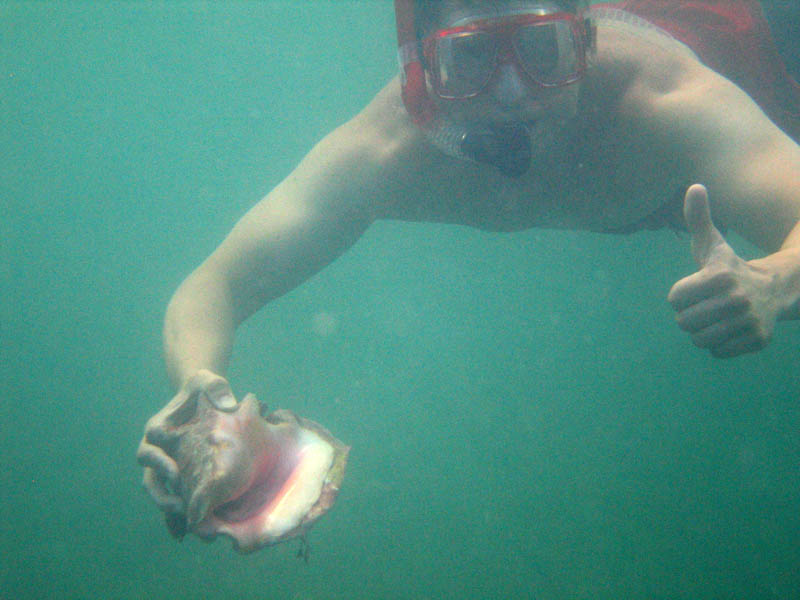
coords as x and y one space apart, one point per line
526 419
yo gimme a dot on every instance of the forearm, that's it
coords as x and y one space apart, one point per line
784 265
789 256
199 328
300 227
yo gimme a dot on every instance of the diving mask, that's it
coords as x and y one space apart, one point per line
546 46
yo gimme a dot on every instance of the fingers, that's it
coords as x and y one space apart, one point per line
216 389
183 406
726 325
156 487
160 473
731 338
696 210
717 305
723 332
740 345
698 287
717 309
162 435
706 239
178 411
156 458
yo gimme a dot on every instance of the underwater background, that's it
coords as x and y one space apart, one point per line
526 419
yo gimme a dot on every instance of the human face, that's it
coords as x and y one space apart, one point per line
518 59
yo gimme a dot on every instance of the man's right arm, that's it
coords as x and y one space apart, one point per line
307 221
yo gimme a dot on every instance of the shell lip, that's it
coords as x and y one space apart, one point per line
247 516
256 497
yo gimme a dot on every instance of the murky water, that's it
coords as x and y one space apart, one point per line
526 419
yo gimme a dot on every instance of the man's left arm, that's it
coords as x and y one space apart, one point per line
730 306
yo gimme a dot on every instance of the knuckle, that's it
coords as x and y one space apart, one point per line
739 299
147 455
157 463
151 423
724 278
141 451
154 435
674 296
153 426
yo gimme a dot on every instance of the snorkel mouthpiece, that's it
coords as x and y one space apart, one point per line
506 146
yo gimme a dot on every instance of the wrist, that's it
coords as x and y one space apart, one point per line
791 312
785 264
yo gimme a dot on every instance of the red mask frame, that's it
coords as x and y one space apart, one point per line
415 96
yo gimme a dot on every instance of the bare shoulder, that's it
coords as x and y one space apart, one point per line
662 84
641 62
692 120
386 149
383 130
410 175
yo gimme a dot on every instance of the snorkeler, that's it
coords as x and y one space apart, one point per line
509 115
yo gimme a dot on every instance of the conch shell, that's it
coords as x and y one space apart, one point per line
257 479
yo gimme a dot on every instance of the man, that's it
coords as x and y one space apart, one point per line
510 115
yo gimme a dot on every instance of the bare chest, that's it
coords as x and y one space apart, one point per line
617 191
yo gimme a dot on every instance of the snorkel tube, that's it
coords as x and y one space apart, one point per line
506 146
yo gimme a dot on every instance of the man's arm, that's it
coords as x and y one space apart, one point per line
307 221
730 305
752 171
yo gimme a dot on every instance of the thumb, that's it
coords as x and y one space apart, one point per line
707 241
220 395
216 389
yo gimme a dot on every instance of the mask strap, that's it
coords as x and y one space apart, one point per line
414 91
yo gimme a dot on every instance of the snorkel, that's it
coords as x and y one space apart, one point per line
504 145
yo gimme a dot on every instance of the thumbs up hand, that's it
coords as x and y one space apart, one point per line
729 306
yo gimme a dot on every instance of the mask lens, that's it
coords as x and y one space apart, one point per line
464 63
548 52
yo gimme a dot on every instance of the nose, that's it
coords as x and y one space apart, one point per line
509 88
